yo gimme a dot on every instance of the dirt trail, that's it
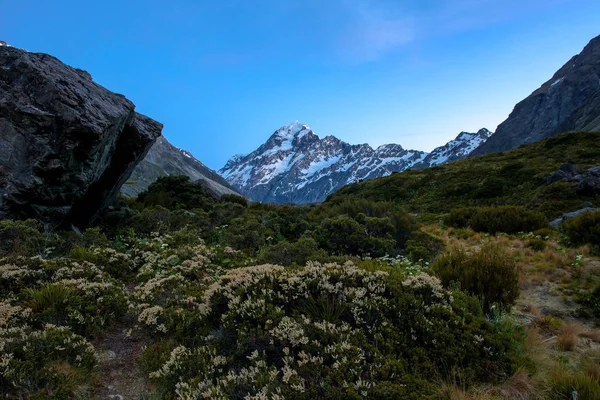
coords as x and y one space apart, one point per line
121 375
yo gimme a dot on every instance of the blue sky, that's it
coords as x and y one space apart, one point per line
223 75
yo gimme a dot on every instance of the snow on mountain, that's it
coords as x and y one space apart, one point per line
456 149
296 166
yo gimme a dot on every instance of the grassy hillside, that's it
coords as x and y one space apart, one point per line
517 177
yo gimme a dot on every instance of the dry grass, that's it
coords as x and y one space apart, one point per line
592 335
536 350
592 369
567 338
548 325
520 387
531 309
452 392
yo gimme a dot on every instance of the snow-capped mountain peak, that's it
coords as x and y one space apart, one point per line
296 166
459 148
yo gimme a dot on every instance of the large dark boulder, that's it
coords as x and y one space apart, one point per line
67 144
589 185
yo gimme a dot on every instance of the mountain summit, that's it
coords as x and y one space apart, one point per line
296 166
569 101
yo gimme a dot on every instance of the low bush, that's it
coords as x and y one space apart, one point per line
584 229
50 363
489 274
177 192
536 244
287 254
234 198
460 217
346 235
505 219
462 233
422 246
590 303
21 238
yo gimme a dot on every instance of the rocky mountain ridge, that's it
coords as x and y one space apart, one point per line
569 101
296 166
164 159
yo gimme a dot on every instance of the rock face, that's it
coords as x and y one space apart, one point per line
588 182
567 216
66 143
589 185
296 166
164 159
569 101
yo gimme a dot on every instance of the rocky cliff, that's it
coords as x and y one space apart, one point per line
295 166
164 159
67 144
569 101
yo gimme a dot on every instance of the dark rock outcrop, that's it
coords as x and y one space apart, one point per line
567 216
566 172
588 182
66 143
570 101
164 159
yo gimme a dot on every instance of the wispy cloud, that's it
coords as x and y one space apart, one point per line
374 28
356 31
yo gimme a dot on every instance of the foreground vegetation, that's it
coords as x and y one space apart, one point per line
181 295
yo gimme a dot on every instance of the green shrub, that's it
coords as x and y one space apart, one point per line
287 254
234 198
177 192
590 302
491 187
51 302
111 261
584 229
63 292
462 233
506 219
422 246
345 235
21 238
536 244
459 217
44 364
489 274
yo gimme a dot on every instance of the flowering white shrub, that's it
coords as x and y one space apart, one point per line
323 331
